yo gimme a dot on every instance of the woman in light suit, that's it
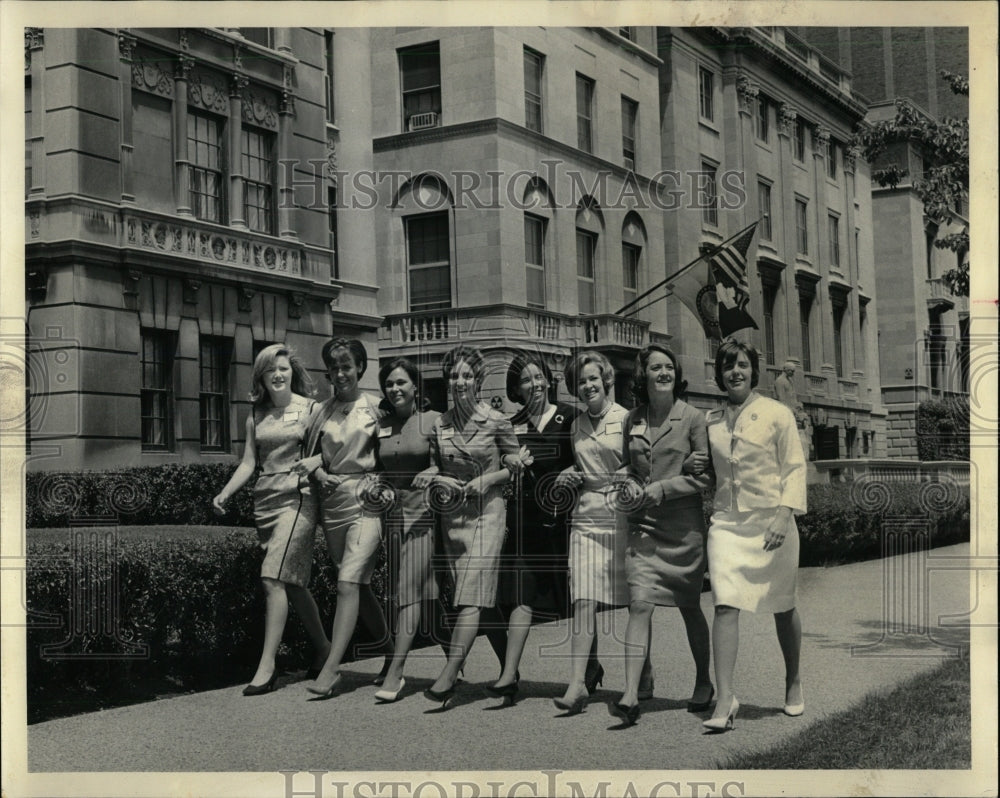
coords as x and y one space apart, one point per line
753 543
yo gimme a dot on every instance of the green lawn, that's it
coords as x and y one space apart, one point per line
923 724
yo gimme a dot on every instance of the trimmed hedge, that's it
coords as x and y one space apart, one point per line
943 429
195 602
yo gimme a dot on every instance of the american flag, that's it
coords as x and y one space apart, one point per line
729 268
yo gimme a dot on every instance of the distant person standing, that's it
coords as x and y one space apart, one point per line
784 387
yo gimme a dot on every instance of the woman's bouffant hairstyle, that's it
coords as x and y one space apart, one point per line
518 364
407 365
729 350
352 345
302 383
639 388
472 356
575 366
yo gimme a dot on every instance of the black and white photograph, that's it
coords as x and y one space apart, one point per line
496 400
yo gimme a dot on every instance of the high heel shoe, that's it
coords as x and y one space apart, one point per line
725 723
388 696
574 707
329 692
261 689
442 697
628 714
508 693
313 673
701 706
594 678
646 685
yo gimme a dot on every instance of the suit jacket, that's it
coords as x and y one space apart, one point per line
758 463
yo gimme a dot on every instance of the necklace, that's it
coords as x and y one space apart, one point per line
600 415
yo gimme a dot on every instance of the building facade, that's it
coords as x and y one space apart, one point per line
194 194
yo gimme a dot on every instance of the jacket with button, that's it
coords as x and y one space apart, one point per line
758 464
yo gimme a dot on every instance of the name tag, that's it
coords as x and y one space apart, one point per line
384 432
520 429
291 415
613 428
639 429
447 433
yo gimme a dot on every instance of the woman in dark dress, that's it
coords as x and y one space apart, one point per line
534 555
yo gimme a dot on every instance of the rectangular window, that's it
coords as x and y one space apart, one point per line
831 159
213 397
627 32
157 393
838 342
805 310
586 251
764 209
706 94
801 227
205 153
428 255
833 231
799 150
763 123
707 194
420 71
258 181
630 271
770 295
630 112
328 76
332 202
534 260
929 237
533 63
584 113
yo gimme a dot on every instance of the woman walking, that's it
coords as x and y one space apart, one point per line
665 559
404 438
476 451
345 430
597 536
285 508
753 543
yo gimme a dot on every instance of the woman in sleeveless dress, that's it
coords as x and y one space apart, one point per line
285 508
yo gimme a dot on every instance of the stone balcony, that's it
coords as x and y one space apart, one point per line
940 298
436 331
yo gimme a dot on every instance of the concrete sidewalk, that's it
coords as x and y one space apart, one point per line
867 626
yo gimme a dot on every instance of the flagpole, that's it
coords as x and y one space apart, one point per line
643 307
714 251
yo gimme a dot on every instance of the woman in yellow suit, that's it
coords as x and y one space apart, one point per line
753 543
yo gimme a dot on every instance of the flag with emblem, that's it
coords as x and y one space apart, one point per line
729 269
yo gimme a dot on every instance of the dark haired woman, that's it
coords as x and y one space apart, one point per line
405 464
346 432
534 554
597 536
476 451
753 543
284 503
665 559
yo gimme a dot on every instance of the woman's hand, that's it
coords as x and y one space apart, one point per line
695 463
477 486
778 529
219 504
449 483
424 478
305 467
516 463
569 478
327 480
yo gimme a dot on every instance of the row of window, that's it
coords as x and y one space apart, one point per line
762 121
806 299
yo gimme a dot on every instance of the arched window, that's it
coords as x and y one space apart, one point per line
589 226
538 205
633 245
425 206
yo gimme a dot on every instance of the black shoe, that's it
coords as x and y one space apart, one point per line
312 673
508 693
593 679
442 697
385 670
262 689
574 707
695 706
629 715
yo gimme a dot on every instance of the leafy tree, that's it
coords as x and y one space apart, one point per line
944 145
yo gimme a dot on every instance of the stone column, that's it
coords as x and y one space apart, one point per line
237 84
126 46
822 301
182 161
787 114
286 170
34 67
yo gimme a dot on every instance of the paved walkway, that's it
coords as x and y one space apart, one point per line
867 627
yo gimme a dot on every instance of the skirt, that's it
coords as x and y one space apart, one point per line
285 513
665 559
353 534
473 537
410 548
745 576
597 552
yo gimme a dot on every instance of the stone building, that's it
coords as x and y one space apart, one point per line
194 194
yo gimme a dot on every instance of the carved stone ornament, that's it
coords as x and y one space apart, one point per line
237 55
331 158
822 139
182 40
126 46
207 92
130 282
787 114
182 71
286 105
296 304
746 91
34 39
259 109
191 288
149 76
852 155
238 84
244 299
